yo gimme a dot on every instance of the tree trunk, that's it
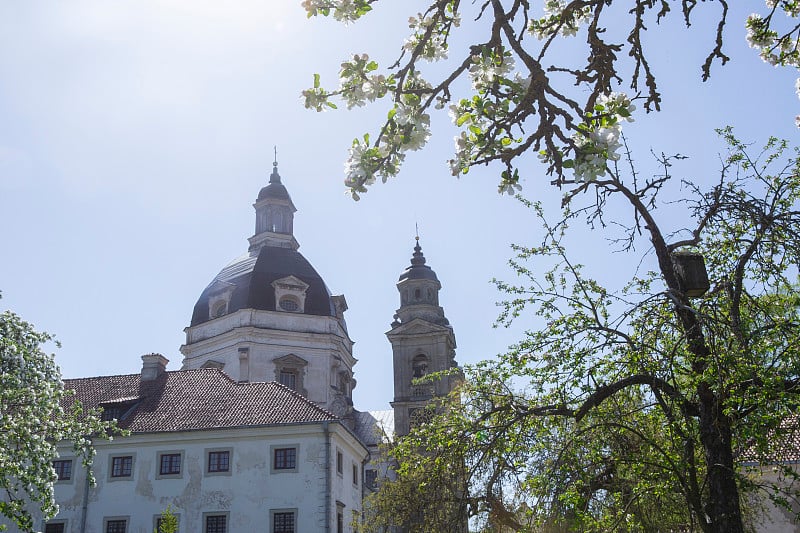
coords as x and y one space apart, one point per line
723 509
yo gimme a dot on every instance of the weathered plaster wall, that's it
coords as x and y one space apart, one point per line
247 493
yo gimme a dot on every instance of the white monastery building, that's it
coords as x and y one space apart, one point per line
257 432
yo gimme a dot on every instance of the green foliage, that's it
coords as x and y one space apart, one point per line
632 409
168 522
35 416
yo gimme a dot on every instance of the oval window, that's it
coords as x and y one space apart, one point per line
219 309
289 304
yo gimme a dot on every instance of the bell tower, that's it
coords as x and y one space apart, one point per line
422 342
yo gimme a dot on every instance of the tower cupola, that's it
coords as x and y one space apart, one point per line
274 215
419 291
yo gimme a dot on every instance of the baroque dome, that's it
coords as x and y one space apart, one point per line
248 282
250 278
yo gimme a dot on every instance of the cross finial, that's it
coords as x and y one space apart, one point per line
416 227
275 177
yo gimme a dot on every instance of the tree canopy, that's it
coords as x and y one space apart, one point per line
524 96
635 409
33 421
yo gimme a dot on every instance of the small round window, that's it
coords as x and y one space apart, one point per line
219 309
289 304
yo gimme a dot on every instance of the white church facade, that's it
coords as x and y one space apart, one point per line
257 431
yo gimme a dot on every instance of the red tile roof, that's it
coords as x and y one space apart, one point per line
186 400
782 445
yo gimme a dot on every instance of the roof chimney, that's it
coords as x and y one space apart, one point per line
153 365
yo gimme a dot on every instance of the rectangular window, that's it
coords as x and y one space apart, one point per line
289 379
339 463
63 468
355 474
55 527
219 461
283 522
116 526
170 464
122 466
216 523
371 478
285 458
111 413
339 517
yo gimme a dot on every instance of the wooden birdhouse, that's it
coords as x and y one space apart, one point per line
691 270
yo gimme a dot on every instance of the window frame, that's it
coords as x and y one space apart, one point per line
339 463
62 523
216 514
108 519
113 458
208 451
371 478
273 514
273 461
289 303
160 464
356 475
59 471
340 517
288 372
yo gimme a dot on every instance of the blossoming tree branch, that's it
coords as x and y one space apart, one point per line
523 99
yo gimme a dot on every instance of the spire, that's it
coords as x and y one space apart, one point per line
275 177
417 259
418 269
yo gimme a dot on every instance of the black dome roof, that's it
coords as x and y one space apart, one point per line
252 275
273 190
418 268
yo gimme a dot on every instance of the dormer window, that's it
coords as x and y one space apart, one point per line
290 294
117 409
219 297
220 308
288 303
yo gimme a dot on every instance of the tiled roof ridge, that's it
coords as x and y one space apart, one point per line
87 378
138 374
296 394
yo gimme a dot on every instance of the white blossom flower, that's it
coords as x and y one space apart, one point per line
486 68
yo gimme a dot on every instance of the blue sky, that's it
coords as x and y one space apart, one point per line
135 135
